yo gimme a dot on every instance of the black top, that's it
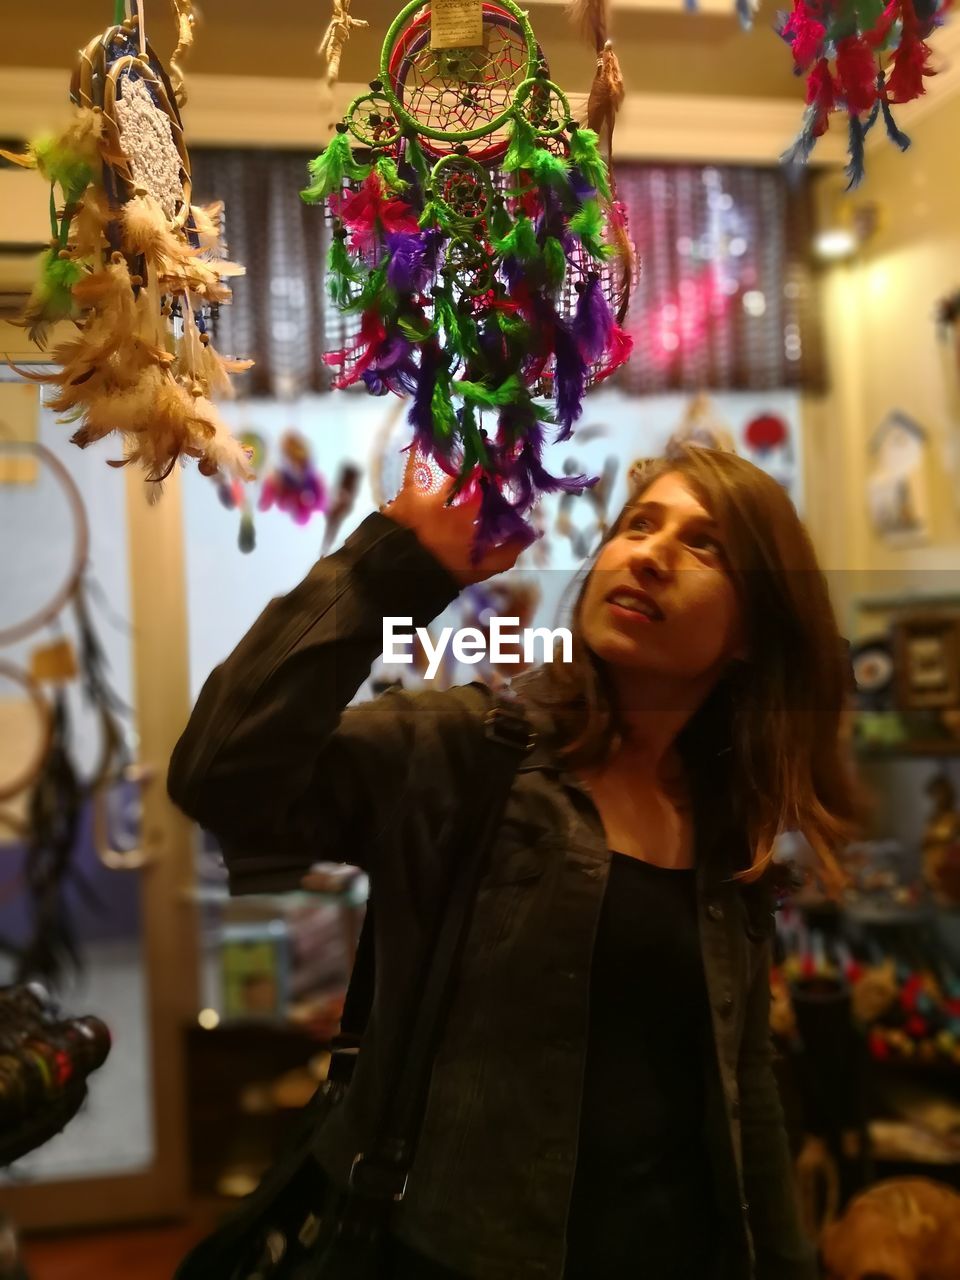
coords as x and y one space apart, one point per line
642 1199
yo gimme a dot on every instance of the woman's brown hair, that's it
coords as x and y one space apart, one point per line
771 726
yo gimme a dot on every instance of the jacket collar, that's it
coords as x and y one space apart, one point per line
721 849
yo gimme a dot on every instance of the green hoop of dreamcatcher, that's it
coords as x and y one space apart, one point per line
410 121
463 190
470 263
371 120
552 125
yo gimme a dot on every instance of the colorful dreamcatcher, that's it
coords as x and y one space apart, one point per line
479 246
294 485
234 492
859 57
134 264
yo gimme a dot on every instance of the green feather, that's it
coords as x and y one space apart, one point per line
375 293
447 318
554 261
52 294
70 170
550 170
508 392
432 216
587 224
441 404
386 167
343 273
474 446
500 221
522 148
520 242
585 154
469 337
514 328
416 327
330 169
417 160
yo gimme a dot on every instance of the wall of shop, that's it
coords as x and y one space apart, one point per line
884 354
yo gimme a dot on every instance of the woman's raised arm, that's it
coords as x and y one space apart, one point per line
269 761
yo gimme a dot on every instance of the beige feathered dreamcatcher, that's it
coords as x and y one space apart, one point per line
133 264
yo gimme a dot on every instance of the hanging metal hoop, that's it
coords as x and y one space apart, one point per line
81 542
31 770
112 857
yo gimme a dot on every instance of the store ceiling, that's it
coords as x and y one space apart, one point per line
662 49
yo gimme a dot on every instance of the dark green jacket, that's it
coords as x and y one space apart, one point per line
274 766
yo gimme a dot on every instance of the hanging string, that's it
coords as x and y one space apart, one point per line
138 6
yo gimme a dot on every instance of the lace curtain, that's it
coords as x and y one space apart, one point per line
726 297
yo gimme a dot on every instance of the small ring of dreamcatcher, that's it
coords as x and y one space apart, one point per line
544 106
29 772
429 87
371 121
462 188
468 262
81 543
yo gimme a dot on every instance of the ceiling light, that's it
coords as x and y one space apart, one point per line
835 243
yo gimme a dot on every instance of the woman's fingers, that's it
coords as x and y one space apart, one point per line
499 559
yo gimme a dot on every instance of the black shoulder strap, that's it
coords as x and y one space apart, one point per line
381 1174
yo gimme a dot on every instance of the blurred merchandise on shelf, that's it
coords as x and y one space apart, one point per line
941 842
908 1228
44 1064
254 967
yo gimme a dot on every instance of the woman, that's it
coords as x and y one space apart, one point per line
602 1104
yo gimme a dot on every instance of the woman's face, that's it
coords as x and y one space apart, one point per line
660 599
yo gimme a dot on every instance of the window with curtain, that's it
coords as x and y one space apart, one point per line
725 298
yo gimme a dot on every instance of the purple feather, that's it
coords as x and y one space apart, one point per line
392 368
498 520
420 416
533 479
593 323
410 267
569 378
514 271
550 221
523 470
582 188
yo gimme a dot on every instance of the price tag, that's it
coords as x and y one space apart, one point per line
456 24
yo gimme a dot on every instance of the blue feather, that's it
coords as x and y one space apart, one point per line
744 10
855 166
798 153
896 135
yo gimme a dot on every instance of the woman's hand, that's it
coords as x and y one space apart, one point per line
448 532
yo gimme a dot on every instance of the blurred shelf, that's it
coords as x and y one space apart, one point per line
948 747
218 895
869 913
917 600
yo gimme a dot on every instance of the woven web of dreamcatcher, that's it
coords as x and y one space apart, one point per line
147 141
461 90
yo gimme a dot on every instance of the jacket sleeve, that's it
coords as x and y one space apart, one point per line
782 1250
269 761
